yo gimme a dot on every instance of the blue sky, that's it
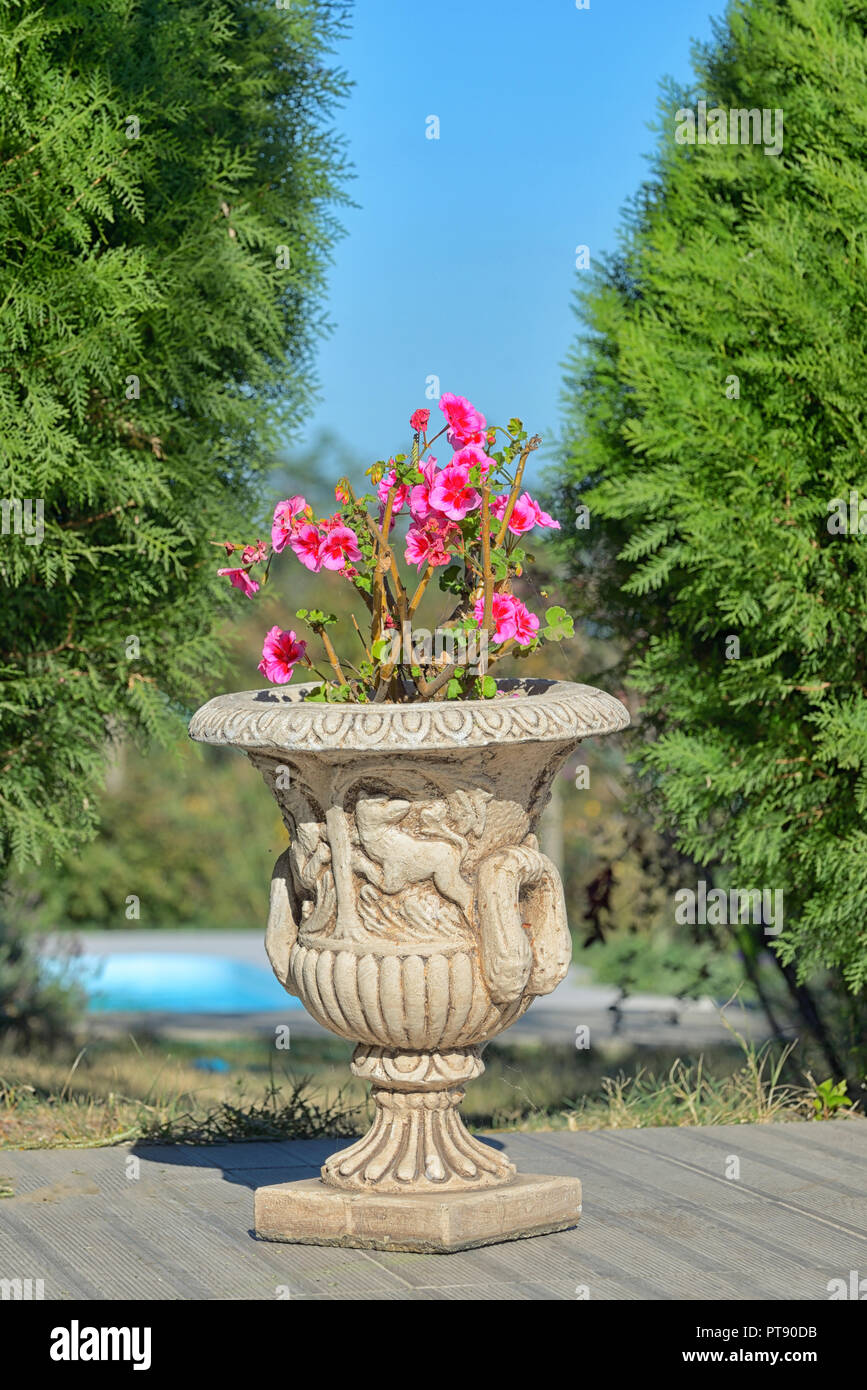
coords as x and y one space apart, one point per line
459 260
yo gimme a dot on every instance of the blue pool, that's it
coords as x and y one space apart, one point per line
173 981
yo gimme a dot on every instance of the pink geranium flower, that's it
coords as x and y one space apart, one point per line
503 612
306 541
426 545
523 516
512 619
419 497
401 493
543 519
280 653
451 493
466 424
526 514
240 579
285 520
526 625
338 547
469 456
252 554
418 421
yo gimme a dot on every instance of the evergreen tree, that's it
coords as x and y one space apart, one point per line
168 853
715 412
167 192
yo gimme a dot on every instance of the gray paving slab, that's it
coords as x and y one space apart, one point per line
662 1221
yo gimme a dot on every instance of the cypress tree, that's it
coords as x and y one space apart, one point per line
168 185
715 407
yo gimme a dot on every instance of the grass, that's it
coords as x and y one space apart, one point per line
149 1089
689 1095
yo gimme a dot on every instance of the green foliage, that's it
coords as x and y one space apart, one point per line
165 223
316 618
709 497
34 1009
559 625
185 831
830 1098
660 963
690 1094
330 693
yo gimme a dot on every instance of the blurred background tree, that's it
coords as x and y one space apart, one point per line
715 410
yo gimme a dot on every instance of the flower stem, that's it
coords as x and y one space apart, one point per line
417 596
488 611
432 440
332 655
367 651
426 691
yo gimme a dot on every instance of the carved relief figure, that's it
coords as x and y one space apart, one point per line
394 859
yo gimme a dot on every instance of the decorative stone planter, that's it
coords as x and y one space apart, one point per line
414 913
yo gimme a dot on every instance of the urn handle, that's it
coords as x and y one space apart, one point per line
524 941
282 930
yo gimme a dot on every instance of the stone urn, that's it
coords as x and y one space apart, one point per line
415 914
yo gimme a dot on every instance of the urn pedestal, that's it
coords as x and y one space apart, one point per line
414 914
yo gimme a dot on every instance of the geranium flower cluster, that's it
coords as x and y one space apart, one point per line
462 521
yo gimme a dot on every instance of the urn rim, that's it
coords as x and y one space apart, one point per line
528 710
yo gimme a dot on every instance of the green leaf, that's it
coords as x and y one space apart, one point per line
338 694
380 648
560 625
316 617
452 579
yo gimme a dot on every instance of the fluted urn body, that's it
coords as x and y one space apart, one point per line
413 911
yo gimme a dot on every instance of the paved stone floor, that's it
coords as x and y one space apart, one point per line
664 1219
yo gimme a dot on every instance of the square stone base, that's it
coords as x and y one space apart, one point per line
312 1213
